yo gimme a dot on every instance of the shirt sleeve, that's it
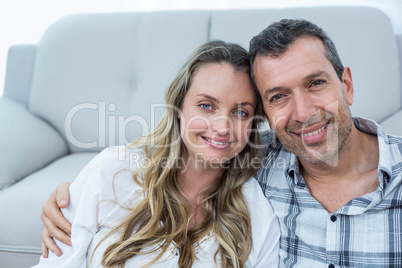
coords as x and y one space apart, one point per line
265 228
85 195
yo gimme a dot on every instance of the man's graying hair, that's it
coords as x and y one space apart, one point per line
274 40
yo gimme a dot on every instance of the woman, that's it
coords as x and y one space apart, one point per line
180 197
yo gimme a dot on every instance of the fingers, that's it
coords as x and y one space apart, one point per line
62 195
54 231
54 219
45 250
54 223
48 243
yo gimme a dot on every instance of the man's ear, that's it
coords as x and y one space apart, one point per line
347 83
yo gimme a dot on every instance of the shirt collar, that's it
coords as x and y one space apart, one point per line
385 158
294 169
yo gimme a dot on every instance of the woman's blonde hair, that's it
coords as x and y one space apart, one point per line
164 214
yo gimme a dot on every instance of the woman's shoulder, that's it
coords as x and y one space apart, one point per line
252 190
119 157
112 170
265 227
256 200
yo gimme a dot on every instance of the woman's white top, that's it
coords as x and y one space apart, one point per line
102 190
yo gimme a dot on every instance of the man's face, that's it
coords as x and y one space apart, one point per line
305 102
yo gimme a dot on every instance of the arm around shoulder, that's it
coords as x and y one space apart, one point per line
85 195
107 177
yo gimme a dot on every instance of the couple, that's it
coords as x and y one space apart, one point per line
336 193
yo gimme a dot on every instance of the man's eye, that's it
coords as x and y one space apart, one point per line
277 97
206 106
317 83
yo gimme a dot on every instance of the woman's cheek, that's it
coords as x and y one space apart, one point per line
198 123
243 133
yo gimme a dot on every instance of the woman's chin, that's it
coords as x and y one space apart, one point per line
216 162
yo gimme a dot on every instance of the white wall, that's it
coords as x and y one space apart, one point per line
23 21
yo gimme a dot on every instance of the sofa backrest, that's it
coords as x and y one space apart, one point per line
364 39
97 75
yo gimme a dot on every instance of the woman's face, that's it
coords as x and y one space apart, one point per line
217 113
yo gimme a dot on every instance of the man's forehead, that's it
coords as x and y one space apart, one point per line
305 44
303 53
295 67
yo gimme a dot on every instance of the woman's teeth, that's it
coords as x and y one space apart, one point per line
217 142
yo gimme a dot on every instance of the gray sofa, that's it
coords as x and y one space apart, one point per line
98 80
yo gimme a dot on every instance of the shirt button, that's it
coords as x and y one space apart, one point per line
333 219
331 265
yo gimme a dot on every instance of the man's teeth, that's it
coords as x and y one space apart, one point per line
217 142
314 133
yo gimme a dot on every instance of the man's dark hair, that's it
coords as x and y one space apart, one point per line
274 40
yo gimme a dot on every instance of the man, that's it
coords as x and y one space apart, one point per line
338 196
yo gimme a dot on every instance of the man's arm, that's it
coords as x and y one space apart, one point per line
55 225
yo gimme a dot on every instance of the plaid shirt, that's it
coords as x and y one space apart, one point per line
366 232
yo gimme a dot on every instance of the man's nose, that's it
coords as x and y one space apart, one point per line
303 107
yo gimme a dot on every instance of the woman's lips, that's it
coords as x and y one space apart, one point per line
218 143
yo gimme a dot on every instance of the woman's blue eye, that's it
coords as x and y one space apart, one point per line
206 106
241 113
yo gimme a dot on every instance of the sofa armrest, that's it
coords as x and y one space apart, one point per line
19 72
26 142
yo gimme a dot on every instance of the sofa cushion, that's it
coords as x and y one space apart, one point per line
21 203
18 260
27 142
94 71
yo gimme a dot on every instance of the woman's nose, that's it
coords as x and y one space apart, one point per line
221 125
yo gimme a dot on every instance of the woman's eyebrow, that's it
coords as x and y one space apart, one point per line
208 97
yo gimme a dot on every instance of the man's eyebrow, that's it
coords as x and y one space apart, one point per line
316 74
272 90
308 77
208 97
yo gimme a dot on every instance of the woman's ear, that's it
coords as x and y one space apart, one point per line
178 113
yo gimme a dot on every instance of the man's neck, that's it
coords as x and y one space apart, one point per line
354 175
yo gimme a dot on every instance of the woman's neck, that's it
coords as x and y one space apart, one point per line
194 177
